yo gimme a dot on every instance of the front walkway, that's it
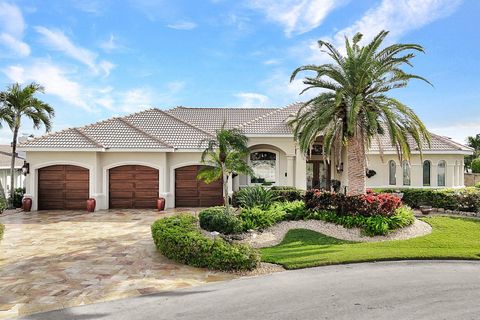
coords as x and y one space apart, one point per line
59 259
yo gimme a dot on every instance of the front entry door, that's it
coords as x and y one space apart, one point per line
318 175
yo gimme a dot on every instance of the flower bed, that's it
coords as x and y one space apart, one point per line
179 238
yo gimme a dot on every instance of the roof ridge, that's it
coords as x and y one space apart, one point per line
83 134
451 142
143 132
183 121
266 115
226 108
47 134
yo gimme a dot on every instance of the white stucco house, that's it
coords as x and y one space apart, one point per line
127 162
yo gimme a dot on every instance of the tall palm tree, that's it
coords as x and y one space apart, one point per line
16 103
354 108
224 155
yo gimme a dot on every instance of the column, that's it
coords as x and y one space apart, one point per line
462 174
290 170
300 170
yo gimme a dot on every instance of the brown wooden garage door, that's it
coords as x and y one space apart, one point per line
190 192
63 187
133 187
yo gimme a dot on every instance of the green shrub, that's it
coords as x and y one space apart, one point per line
18 197
3 204
218 219
294 210
477 185
475 165
2 229
372 225
178 238
257 196
257 218
465 199
284 193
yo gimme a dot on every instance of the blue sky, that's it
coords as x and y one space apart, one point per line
102 58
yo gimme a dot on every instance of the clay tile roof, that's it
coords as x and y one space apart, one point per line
212 119
66 139
5 158
274 122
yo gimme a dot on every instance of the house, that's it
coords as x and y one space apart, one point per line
5 163
127 162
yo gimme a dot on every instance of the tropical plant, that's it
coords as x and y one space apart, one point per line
354 108
224 155
16 103
256 196
475 165
472 142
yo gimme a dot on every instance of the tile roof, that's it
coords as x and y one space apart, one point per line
188 128
437 143
5 157
211 119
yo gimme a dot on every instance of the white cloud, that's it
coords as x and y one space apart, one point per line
55 81
111 44
145 97
459 131
397 16
57 40
12 26
251 99
182 25
296 16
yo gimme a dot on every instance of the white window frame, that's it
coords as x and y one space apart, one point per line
277 166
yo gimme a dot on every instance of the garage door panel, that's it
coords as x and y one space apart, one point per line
62 187
133 187
190 192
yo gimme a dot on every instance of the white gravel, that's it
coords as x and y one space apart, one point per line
275 234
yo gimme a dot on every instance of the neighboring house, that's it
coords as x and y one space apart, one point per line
5 163
127 162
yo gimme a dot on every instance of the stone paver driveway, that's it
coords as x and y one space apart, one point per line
58 259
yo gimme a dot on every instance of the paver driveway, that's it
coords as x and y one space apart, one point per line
52 260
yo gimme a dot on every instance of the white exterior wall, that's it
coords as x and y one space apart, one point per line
5 180
453 175
290 161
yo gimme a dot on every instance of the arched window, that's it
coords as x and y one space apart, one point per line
426 172
441 170
264 166
392 172
406 173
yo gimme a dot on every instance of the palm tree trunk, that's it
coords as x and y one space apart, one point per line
225 189
12 166
356 164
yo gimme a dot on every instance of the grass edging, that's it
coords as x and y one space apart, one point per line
451 239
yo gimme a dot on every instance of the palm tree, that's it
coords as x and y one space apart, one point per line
224 156
354 108
18 102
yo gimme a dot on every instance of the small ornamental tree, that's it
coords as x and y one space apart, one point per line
224 155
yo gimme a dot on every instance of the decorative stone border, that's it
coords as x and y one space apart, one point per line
275 234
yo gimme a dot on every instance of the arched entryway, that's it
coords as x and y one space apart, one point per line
190 192
63 187
133 187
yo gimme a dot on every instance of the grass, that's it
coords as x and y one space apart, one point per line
451 238
2 228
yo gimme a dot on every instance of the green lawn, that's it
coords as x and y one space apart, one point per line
451 238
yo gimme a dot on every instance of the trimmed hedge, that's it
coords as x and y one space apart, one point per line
3 204
218 219
179 238
258 218
465 199
275 193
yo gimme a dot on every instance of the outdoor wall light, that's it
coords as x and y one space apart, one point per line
26 168
340 167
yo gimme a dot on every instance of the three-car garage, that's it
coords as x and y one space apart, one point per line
66 187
